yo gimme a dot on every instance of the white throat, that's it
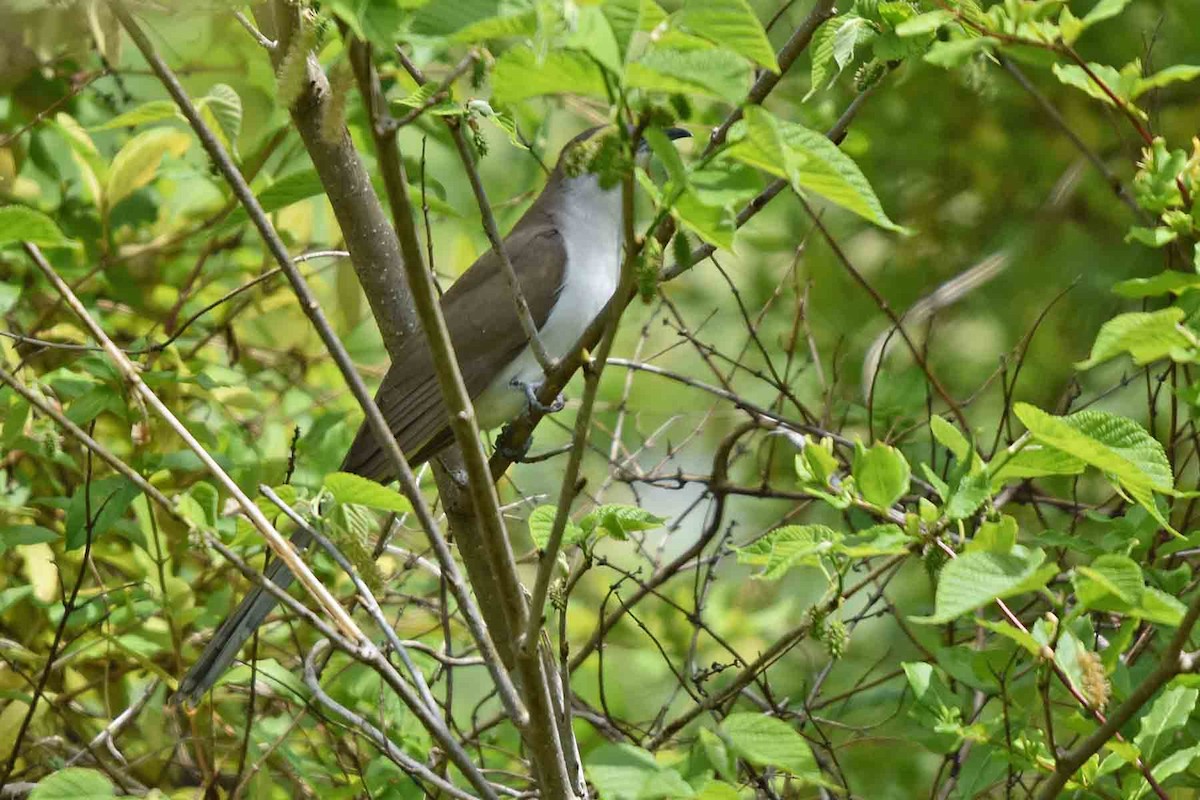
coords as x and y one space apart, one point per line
589 220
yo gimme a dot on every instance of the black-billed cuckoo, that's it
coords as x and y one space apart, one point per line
566 251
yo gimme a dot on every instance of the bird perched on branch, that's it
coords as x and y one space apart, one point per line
566 252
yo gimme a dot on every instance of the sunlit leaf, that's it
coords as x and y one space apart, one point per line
732 24
1145 336
136 163
977 578
348 488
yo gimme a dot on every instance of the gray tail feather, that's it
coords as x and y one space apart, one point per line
221 650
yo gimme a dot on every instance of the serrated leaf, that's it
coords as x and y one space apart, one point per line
849 35
153 111
811 162
770 742
541 522
980 577
349 488
137 162
787 547
881 474
925 23
821 49
731 24
1168 714
22 224
73 783
226 108
955 52
708 73
1145 336
618 520
1108 577
1113 444
1075 76
1159 607
520 75
968 495
997 536
1036 461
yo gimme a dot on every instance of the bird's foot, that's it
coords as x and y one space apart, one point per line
515 454
531 396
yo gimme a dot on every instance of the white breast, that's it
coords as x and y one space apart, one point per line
589 220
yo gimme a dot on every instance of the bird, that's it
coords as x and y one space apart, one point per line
566 251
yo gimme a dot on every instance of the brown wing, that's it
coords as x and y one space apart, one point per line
483 325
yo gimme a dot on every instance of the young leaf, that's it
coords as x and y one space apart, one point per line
770 742
137 162
787 547
1169 714
950 438
73 783
976 578
18 223
1172 74
153 111
995 537
519 75
1146 336
223 103
619 521
733 25
956 52
881 474
925 23
709 73
348 488
541 522
1105 9
1035 461
1109 578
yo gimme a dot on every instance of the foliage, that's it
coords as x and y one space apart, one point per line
816 543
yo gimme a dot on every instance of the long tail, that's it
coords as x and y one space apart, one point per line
234 631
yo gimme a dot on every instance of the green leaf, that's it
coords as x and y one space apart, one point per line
878 540
1105 9
1168 714
731 24
810 161
73 783
1172 74
500 27
154 111
1113 444
1152 237
968 495
107 501
1109 576
925 23
821 49
1145 336
714 224
594 36
832 174
712 73
520 75
226 109
17 535
1023 638
995 536
979 577
1159 607
787 547
881 474
1075 76
625 772
956 52
618 521
541 521
1036 461
853 31
951 438
349 488
770 742
21 224
136 164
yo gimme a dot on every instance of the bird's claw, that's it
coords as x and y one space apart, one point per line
531 396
